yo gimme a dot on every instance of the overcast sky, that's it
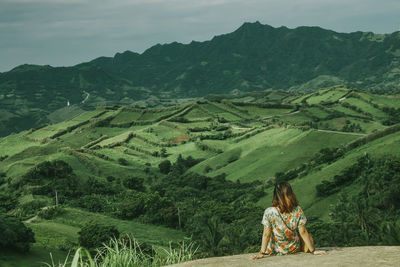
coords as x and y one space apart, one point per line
68 32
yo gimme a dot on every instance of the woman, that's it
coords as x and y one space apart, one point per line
280 237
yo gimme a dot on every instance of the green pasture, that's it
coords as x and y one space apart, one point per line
384 101
187 149
366 107
42 133
392 101
134 141
266 153
195 124
78 138
14 144
346 111
65 113
264 112
277 96
153 115
165 133
327 96
197 114
36 257
316 112
116 139
112 167
126 116
53 235
296 119
114 131
87 115
211 108
229 116
368 126
300 99
218 144
232 108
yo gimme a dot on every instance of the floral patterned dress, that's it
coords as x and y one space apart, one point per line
283 241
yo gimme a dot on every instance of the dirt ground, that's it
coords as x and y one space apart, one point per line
353 256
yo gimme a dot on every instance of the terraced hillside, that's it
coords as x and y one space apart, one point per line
245 138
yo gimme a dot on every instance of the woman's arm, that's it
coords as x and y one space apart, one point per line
304 234
264 243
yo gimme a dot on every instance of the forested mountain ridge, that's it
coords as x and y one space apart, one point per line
254 57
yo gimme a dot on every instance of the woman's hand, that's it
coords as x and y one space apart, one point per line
257 256
319 252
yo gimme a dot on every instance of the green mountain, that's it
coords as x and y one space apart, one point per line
254 57
106 163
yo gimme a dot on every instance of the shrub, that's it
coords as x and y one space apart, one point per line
93 234
134 183
51 212
123 162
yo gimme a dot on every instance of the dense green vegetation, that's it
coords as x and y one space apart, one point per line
370 214
204 171
14 234
252 58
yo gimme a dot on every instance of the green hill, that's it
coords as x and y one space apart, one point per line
115 153
252 58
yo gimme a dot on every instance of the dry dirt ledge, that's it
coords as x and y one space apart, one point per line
353 256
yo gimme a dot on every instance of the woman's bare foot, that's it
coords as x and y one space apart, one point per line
319 252
257 256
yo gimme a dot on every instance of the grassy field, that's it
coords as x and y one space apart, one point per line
366 107
327 96
264 154
35 258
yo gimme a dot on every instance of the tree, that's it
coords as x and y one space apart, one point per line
93 234
51 176
165 166
14 234
8 201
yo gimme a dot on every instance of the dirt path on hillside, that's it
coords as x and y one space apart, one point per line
353 256
31 219
86 98
34 217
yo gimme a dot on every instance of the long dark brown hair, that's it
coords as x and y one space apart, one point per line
284 197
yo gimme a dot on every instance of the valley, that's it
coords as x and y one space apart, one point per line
248 140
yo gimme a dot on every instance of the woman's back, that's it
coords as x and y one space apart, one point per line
285 237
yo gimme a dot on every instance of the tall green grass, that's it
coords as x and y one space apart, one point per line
128 252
